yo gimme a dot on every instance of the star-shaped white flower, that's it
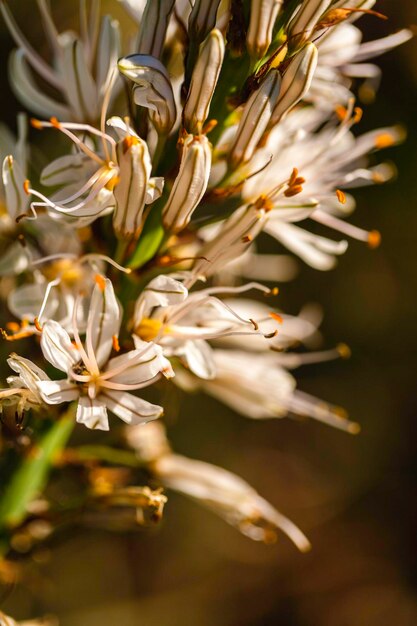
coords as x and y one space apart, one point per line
96 381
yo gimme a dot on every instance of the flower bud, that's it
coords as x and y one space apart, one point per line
202 18
255 118
190 185
152 89
204 81
303 23
136 188
263 14
232 240
153 27
296 81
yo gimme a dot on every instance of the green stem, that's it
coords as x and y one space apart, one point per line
31 477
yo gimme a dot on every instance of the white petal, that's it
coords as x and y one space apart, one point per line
13 180
161 291
57 347
67 169
78 83
15 260
57 391
29 373
138 367
129 408
29 93
92 413
103 320
25 302
199 359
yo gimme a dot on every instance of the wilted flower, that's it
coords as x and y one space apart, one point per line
224 493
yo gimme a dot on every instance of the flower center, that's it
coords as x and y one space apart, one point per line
149 328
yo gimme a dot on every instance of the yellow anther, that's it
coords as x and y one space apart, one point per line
344 351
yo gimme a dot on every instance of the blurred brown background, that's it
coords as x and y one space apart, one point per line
355 497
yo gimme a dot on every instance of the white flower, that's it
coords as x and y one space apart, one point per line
96 381
327 160
229 496
258 386
23 391
224 493
89 177
342 57
182 323
80 69
152 89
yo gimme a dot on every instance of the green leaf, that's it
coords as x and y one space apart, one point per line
30 478
150 240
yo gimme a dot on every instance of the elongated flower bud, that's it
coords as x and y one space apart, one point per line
263 14
296 81
152 89
202 18
234 238
136 188
305 20
204 81
190 185
153 27
255 118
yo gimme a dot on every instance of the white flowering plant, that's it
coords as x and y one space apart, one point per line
129 265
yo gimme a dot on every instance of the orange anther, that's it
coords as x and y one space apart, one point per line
293 177
374 239
341 196
55 122
211 124
26 187
100 281
276 317
116 345
293 191
129 141
37 325
36 123
13 326
384 140
341 112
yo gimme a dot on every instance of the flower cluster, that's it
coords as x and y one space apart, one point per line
127 256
